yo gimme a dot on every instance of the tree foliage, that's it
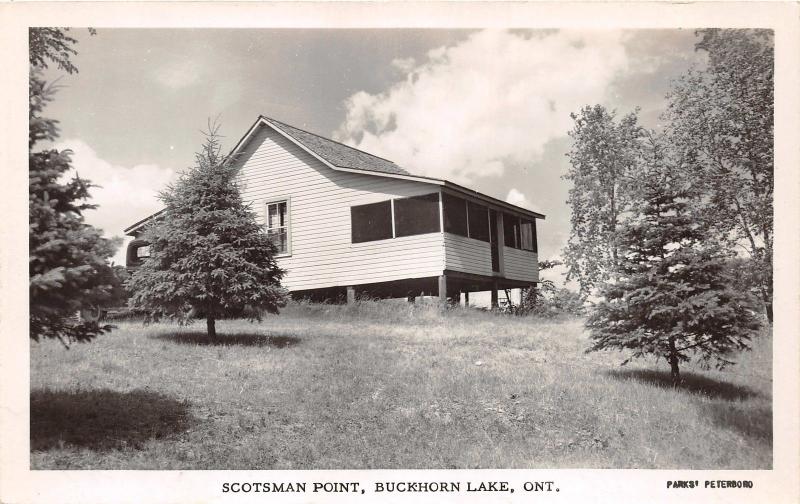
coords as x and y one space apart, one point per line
718 137
603 159
546 300
672 297
67 257
209 258
721 118
53 45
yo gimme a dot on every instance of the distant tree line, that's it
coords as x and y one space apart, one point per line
672 229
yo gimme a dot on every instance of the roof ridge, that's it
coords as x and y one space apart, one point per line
331 140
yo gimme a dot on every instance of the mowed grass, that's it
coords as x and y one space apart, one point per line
387 385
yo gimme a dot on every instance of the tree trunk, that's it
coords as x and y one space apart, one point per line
767 303
675 372
212 328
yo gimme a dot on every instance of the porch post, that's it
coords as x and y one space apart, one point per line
495 303
443 290
501 243
466 299
351 294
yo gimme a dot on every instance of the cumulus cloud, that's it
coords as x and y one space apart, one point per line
516 197
125 195
495 99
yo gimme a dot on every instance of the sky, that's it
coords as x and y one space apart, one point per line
489 109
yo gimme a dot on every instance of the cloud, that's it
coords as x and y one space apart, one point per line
515 197
493 100
125 195
179 74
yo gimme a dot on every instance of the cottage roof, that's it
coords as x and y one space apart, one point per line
343 157
339 154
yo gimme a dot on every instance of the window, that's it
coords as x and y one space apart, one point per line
511 230
416 215
527 232
478 221
371 222
143 252
278 225
455 214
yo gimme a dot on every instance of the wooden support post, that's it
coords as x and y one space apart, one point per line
501 243
466 299
443 290
495 303
351 295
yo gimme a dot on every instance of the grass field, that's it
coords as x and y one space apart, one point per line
379 385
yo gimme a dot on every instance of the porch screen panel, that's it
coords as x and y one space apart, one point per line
527 231
416 215
371 222
455 214
511 230
478 221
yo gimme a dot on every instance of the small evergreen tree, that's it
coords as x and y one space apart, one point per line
209 258
673 297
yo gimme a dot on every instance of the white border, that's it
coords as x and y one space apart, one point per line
20 485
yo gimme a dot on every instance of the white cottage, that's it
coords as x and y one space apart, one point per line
347 223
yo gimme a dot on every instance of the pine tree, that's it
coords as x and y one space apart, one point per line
673 297
68 259
209 258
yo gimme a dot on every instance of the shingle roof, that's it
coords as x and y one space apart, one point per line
339 154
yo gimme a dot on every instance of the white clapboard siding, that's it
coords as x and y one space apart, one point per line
322 255
467 255
520 265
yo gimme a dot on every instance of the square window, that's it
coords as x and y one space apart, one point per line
371 222
416 215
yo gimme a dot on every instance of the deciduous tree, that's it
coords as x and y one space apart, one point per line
721 118
602 158
209 258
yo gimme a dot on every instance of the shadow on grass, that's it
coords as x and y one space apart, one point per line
753 422
201 338
693 383
103 420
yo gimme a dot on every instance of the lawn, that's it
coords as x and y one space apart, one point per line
382 385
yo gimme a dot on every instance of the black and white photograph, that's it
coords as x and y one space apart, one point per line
309 251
